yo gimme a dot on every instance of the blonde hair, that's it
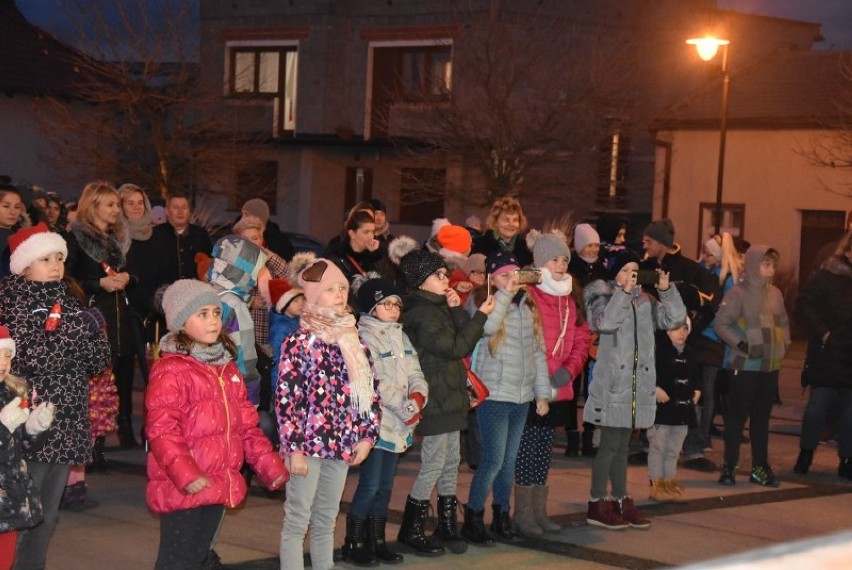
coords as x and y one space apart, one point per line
497 338
93 194
506 205
127 190
730 262
17 386
844 245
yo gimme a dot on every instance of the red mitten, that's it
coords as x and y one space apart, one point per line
414 419
419 398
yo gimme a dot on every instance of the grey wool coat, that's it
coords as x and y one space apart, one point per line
624 380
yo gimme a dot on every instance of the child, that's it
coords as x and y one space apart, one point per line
200 427
59 346
677 394
752 321
19 503
510 361
621 395
328 413
443 334
288 302
404 393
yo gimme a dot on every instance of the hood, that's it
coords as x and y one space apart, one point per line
753 257
236 265
838 265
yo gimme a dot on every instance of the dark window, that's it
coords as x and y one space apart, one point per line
256 179
266 73
359 186
422 195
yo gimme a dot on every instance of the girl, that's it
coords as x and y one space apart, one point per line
443 334
358 251
12 217
404 393
328 413
19 503
200 428
566 346
510 360
60 346
622 393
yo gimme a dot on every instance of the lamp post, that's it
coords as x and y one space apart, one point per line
707 48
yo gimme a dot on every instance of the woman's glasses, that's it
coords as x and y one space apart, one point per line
442 275
391 305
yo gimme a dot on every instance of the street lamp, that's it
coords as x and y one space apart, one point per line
707 48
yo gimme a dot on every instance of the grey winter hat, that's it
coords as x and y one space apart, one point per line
662 231
183 297
547 247
417 265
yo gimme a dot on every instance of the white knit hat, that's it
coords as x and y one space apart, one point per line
584 234
29 244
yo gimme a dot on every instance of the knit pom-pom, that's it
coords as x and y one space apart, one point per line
437 224
399 247
299 262
560 234
359 280
532 237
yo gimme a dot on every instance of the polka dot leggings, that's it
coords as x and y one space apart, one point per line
534 455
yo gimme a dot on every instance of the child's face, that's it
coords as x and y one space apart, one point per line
334 296
622 276
294 309
477 277
253 235
204 325
437 282
389 310
558 267
678 335
5 363
48 268
590 251
767 268
11 208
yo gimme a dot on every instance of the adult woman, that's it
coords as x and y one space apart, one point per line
141 263
825 309
506 223
358 250
97 258
54 213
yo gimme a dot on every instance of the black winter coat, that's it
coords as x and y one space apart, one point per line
57 364
679 375
176 254
442 337
20 503
142 267
825 306
488 244
585 272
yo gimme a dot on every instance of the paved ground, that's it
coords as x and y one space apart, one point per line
718 521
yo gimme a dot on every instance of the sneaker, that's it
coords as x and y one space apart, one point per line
700 464
630 514
603 513
728 476
764 477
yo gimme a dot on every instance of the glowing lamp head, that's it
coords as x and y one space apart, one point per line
707 47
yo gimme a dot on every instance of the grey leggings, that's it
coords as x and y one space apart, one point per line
610 464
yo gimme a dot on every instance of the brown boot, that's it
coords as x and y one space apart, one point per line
525 521
660 491
676 491
539 508
631 515
603 513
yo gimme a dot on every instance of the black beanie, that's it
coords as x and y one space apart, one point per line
417 265
661 231
373 292
619 260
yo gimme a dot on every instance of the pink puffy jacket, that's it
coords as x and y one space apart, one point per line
575 348
199 422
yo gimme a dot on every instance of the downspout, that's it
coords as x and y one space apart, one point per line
667 175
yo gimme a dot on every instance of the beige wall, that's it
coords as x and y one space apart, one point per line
763 170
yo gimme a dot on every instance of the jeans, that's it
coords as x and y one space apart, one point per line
439 465
666 442
501 425
610 464
828 405
315 500
49 480
375 484
186 536
697 437
751 395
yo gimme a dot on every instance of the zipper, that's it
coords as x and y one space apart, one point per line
227 434
635 365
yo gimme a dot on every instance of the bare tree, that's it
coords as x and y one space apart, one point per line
145 121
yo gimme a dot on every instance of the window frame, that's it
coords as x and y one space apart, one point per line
707 224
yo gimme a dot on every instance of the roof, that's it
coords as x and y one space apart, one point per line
801 89
31 60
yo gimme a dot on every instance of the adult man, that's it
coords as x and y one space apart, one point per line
177 241
701 294
273 238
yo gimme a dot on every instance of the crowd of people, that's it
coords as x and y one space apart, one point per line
294 368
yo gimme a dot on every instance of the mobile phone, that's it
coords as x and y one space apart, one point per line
647 277
528 276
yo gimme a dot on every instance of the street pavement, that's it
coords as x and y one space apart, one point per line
717 522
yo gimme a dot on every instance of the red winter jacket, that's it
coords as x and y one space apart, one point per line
199 422
575 347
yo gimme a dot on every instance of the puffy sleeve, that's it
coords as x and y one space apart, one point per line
291 400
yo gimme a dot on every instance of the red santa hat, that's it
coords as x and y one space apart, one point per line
6 342
29 244
282 294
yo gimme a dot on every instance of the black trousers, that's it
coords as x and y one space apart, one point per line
750 397
186 536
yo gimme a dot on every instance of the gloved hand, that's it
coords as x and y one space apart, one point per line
414 420
13 415
561 377
418 399
412 408
40 418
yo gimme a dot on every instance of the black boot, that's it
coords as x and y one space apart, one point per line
99 461
844 468
376 541
126 439
448 529
474 529
573 447
355 549
803 463
502 526
411 532
76 498
588 449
